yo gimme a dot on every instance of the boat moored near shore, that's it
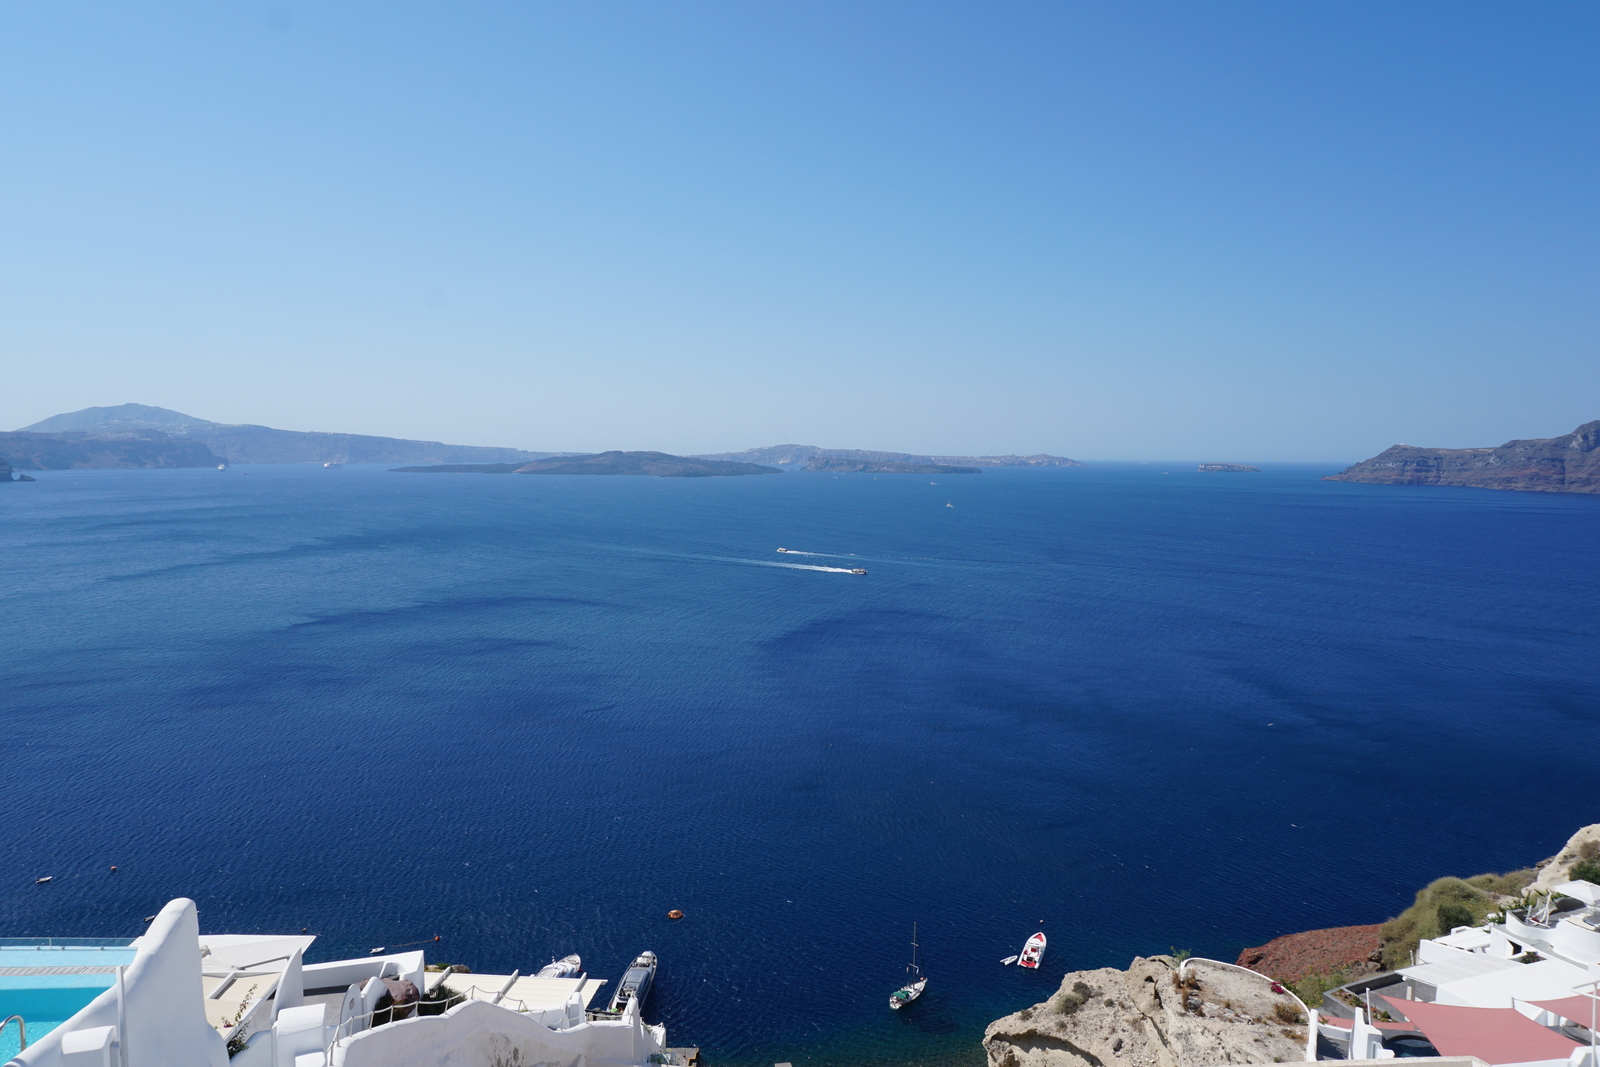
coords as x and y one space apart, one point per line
635 985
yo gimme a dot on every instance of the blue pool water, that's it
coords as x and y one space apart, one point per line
1150 707
44 1002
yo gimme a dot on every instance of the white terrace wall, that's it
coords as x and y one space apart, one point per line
479 1034
164 1006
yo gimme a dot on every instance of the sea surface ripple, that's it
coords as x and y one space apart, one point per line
1145 706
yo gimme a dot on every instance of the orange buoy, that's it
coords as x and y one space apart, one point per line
674 914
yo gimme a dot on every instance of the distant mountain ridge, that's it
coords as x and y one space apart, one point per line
804 455
222 442
654 464
120 419
1566 464
134 448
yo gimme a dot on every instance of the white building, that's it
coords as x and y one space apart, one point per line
174 998
1536 969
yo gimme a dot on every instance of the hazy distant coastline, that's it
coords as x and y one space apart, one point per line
815 458
654 464
139 435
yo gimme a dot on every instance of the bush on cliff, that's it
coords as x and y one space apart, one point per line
1068 1003
1310 988
1586 871
1444 904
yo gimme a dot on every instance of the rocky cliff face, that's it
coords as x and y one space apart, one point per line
1355 950
1583 845
64 451
1569 464
1153 1015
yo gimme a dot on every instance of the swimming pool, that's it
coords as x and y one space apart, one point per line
48 983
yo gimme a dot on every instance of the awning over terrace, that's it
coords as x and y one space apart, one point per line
1581 1010
1494 1035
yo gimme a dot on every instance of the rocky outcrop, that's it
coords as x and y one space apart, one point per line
136 448
1353 950
1583 845
1155 1014
1569 464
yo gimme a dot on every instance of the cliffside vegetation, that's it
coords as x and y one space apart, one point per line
1445 904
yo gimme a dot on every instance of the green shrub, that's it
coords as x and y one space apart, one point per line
1310 988
1586 871
1067 1003
1452 915
1443 898
1288 1013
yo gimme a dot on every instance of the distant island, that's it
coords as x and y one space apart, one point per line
1235 468
864 466
654 464
851 460
460 468
134 448
1569 464
138 435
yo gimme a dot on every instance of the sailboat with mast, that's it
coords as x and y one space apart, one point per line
916 982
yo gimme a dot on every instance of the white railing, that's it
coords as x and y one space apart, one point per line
554 1018
1310 1017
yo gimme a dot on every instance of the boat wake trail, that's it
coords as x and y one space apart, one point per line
788 566
755 562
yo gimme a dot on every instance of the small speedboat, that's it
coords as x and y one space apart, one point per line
562 968
635 984
1008 961
1032 952
783 550
858 570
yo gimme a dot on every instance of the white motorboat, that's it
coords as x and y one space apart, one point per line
1008 961
635 984
916 982
569 967
1032 952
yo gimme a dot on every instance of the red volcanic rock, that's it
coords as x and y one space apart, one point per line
1293 956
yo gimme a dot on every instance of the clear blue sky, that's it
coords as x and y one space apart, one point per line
1254 231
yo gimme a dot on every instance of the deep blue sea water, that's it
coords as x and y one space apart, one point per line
531 715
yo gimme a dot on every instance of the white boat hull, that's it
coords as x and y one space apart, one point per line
1032 952
906 994
563 968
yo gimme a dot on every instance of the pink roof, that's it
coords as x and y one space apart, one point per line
1494 1035
1578 1009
